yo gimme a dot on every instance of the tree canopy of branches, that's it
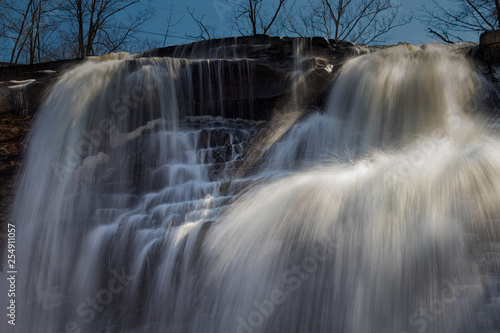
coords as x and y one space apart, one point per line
451 22
256 17
94 25
29 26
205 31
43 30
359 21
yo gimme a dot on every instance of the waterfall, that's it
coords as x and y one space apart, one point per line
377 214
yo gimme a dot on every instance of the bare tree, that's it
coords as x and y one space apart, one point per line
256 17
21 31
299 20
169 22
359 21
29 28
41 30
95 27
450 23
2 20
206 31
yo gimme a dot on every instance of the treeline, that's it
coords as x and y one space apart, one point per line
359 21
33 31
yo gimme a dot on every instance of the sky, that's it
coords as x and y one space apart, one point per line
216 14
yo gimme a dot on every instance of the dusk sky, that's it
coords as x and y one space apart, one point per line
216 15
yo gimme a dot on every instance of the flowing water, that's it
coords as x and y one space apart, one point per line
379 214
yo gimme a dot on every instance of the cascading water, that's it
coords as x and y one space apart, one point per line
379 215
119 172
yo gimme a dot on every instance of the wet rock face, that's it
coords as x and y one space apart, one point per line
487 55
248 89
23 88
252 89
490 45
12 135
12 143
184 168
220 147
263 48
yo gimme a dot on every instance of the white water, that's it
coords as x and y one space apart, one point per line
383 215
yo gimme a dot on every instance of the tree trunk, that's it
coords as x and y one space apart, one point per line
79 17
37 37
252 16
92 30
20 33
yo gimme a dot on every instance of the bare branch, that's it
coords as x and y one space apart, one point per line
204 30
365 21
97 27
465 17
471 4
274 17
444 39
256 17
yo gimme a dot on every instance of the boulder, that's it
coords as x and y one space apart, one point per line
489 46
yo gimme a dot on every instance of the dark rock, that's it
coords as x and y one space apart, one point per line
264 48
266 81
490 43
246 89
12 142
488 50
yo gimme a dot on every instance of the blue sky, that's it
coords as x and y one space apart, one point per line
215 15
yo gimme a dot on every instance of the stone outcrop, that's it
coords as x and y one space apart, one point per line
272 62
22 88
12 142
489 46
